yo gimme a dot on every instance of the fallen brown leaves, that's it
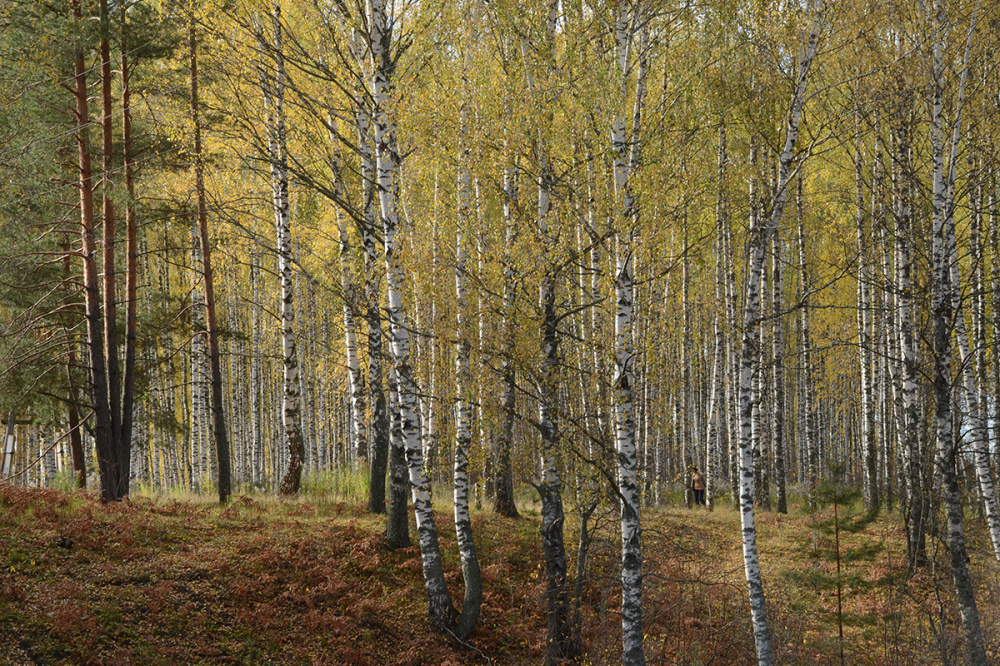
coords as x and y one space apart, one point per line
266 582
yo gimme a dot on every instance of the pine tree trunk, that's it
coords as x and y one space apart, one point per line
108 258
104 439
218 415
131 257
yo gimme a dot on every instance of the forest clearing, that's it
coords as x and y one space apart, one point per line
265 581
714 285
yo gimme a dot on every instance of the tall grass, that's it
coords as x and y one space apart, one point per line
343 484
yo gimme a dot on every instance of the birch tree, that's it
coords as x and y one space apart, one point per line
440 607
273 85
759 238
463 373
628 488
943 313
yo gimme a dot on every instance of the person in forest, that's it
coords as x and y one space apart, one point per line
698 485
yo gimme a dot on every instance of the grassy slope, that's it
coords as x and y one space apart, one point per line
166 582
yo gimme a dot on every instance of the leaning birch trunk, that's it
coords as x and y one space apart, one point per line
977 425
274 96
622 381
942 312
749 357
463 384
439 601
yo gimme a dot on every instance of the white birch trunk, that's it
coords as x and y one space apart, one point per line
942 310
274 97
559 641
463 381
356 382
622 381
808 423
503 487
439 601
778 369
868 451
749 356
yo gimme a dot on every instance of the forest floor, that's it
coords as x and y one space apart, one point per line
263 581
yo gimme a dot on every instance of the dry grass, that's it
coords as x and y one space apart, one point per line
164 581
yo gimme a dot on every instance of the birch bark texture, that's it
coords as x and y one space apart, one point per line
463 375
622 380
277 147
440 607
758 243
560 643
943 313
